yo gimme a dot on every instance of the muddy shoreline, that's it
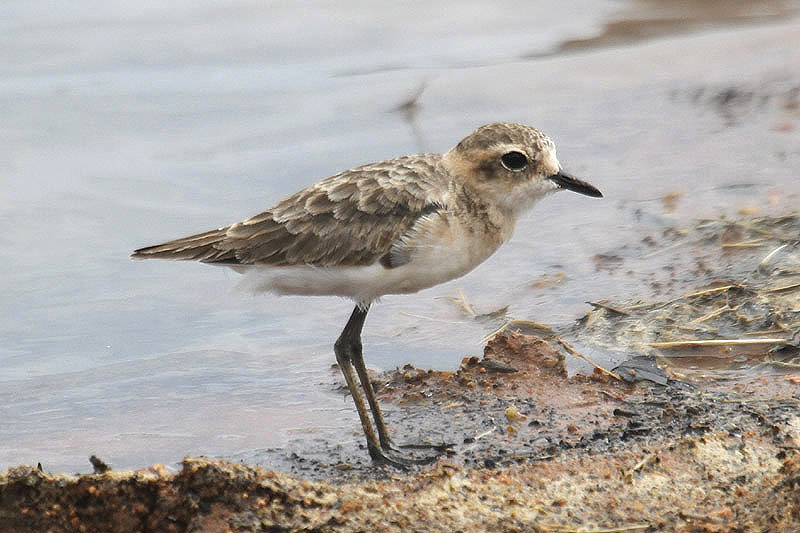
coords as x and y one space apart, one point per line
593 453
666 441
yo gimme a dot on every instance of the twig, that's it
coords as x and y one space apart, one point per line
782 364
531 324
694 294
641 305
716 342
497 331
762 266
479 437
765 331
641 464
576 353
512 323
428 318
569 529
786 288
745 244
615 398
668 248
462 299
709 291
485 433
609 308
712 314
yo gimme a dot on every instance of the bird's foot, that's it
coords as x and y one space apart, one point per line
385 457
389 445
392 454
444 447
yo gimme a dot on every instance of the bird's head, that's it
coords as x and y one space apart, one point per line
512 166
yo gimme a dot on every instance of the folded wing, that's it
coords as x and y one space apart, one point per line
352 218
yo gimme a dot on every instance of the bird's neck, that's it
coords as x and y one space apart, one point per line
484 216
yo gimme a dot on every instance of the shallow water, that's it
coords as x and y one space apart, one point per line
126 126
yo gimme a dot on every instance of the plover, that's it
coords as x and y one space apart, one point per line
392 227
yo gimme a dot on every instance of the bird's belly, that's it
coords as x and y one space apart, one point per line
433 263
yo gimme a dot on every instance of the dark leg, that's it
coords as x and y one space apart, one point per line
348 354
383 433
369 392
348 343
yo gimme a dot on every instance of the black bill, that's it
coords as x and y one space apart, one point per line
565 181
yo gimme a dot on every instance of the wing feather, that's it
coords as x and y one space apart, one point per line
352 218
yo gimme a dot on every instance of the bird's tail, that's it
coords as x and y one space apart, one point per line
203 247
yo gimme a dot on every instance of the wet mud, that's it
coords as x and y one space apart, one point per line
534 450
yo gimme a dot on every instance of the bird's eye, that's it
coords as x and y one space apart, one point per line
514 161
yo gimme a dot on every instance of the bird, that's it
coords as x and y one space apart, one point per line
392 227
